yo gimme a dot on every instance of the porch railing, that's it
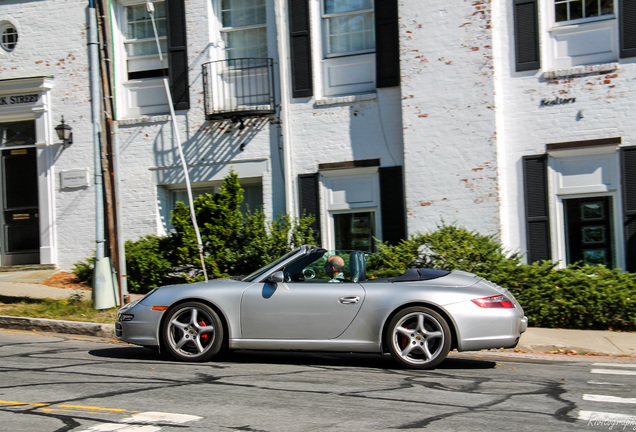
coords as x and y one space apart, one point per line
238 88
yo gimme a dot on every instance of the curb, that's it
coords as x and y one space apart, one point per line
58 326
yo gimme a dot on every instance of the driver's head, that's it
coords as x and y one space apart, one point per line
334 265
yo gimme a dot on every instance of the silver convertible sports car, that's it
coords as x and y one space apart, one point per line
317 300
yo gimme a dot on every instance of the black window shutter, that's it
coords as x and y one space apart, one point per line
300 49
387 44
535 182
526 35
309 199
177 54
393 209
628 177
627 23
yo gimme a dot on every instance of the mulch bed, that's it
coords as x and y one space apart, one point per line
65 280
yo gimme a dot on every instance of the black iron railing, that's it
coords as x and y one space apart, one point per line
238 87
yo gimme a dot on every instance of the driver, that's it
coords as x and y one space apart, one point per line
334 268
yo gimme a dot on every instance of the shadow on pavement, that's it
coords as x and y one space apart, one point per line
290 358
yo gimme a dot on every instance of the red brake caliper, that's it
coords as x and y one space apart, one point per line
202 323
404 341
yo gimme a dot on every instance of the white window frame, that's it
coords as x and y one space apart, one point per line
140 96
326 19
333 206
227 31
339 75
580 20
167 197
559 190
145 61
7 29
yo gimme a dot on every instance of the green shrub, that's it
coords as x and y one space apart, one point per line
146 263
84 270
576 297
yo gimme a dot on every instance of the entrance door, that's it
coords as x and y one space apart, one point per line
20 218
589 230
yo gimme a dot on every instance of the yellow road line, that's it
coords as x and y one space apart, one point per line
22 403
57 407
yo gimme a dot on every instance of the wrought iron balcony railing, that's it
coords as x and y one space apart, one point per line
238 88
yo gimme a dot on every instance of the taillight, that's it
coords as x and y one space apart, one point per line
498 301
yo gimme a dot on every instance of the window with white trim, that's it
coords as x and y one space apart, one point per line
349 27
170 195
570 10
142 56
8 36
348 47
244 28
139 71
582 32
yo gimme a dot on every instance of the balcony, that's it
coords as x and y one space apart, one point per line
237 88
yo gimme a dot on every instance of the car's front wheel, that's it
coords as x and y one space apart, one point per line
192 332
418 338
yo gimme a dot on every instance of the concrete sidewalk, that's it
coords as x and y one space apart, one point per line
534 340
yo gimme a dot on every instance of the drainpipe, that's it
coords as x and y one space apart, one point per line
104 294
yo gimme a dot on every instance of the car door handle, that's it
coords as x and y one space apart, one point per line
349 300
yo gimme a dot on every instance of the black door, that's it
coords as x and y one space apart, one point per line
589 230
21 232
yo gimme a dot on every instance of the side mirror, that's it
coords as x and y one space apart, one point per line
276 277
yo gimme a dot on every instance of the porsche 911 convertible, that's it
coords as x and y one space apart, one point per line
299 303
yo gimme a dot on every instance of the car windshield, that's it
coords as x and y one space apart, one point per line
270 266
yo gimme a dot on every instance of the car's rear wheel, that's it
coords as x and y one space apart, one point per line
418 338
192 332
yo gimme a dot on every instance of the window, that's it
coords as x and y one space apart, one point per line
349 26
348 47
139 70
140 44
244 28
355 231
577 33
589 231
17 133
8 37
169 196
569 10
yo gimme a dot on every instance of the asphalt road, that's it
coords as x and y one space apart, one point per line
52 382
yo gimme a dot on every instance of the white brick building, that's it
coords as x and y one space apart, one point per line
508 117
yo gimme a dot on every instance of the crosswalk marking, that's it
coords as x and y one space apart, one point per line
160 417
117 427
614 372
147 420
616 365
610 419
611 399
592 382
